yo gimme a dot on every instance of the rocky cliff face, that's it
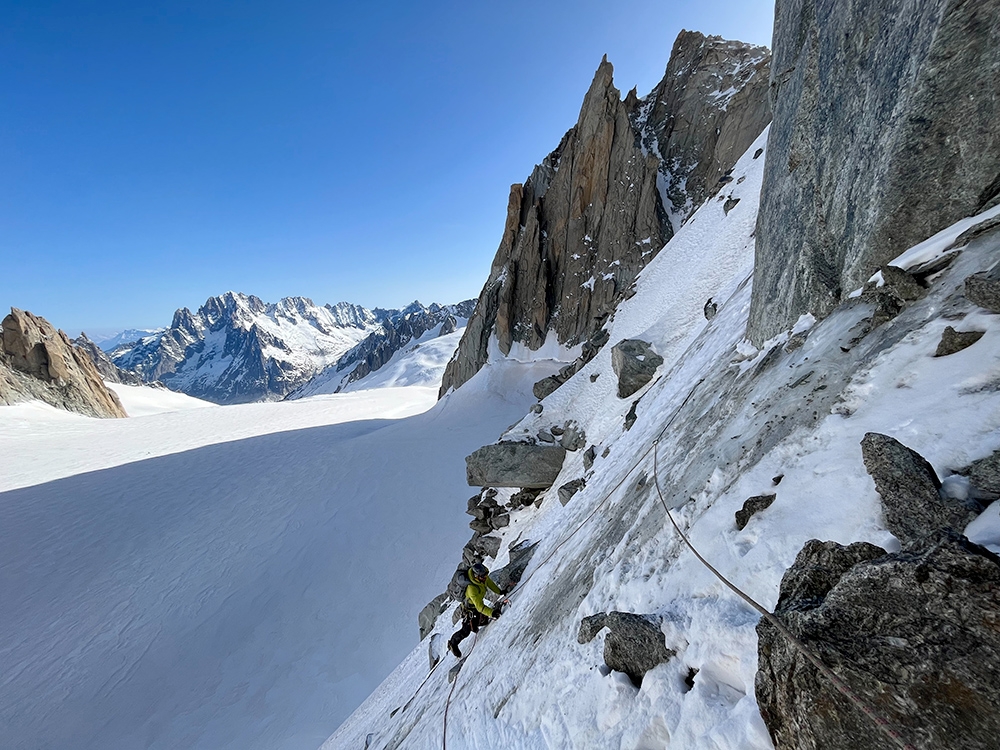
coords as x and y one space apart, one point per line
885 131
39 362
109 371
710 106
238 349
600 206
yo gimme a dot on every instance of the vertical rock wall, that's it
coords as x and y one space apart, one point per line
886 129
597 209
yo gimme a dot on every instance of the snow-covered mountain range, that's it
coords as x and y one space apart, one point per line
237 348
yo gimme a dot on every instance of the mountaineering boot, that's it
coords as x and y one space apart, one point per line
453 647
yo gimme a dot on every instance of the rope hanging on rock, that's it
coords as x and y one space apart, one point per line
883 725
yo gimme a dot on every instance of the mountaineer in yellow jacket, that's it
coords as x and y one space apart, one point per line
475 612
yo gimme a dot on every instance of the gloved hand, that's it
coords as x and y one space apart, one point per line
497 610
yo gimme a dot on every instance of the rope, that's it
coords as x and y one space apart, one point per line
882 724
447 704
607 496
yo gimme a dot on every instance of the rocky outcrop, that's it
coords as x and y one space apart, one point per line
39 362
109 371
751 507
634 643
634 363
915 635
984 478
912 503
883 134
514 465
953 341
710 106
569 489
601 206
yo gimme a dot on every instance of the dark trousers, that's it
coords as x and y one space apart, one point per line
472 620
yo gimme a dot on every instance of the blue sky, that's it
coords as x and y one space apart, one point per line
155 154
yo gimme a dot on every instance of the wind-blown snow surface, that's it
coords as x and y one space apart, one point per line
729 420
227 577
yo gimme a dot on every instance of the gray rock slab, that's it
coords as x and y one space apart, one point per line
880 139
515 465
912 503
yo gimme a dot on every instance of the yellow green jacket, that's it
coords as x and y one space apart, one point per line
475 592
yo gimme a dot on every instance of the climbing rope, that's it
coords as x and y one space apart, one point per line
444 736
523 582
883 725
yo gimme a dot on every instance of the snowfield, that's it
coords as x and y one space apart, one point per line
732 422
227 577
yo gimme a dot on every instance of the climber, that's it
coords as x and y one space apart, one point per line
475 613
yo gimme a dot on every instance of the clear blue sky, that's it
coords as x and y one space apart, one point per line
154 154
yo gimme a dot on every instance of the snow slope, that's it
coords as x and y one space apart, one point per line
227 577
421 362
729 420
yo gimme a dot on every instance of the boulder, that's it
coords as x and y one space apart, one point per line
572 437
569 489
39 362
523 498
546 386
484 546
515 465
915 635
635 363
912 503
953 341
429 614
589 457
750 507
634 644
983 289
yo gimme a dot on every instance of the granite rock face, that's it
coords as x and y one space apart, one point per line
601 206
514 465
915 634
39 362
886 129
710 106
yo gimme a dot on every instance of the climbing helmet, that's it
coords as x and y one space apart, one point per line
478 573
